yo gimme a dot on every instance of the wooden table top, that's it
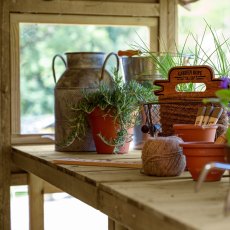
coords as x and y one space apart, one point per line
128 196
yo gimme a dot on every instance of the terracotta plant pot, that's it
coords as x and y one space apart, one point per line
103 123
191 132
198 154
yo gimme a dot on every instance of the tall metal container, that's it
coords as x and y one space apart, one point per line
142 69
83 70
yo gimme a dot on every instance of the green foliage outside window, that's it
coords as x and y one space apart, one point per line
40 42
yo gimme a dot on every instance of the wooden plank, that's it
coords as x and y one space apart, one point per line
15 78
163 26
172 25
166 204
133 216
81 19
133 1
46 154
61 178
36 202
154 38
103 163
86 8
4 117
18 139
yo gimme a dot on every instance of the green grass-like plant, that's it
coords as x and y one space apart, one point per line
216 58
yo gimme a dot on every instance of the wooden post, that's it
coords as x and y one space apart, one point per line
168 25
5 139
163 26
36 202
172 24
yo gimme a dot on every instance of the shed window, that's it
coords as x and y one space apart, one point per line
34 43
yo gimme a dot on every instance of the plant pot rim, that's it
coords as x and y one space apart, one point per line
192 126
203 147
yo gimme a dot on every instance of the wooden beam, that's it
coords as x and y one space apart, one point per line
36 202
172 25
168 25
15 18
163 26
86 8
5 145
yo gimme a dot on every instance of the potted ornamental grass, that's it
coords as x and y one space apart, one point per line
193 52
111 111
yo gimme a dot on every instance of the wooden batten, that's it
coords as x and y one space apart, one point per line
86 7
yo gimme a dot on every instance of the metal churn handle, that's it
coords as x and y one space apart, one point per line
105 62
53 65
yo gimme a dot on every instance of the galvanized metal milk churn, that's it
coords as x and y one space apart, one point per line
83 70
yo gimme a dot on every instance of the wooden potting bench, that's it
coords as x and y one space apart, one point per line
131 199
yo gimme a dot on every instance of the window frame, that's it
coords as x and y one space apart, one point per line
17 18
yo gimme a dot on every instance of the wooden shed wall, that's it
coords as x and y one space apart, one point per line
165 11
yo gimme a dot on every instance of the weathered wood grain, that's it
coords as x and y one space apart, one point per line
36 202
163 26
86 7
172 25
171 204
68 182
4 116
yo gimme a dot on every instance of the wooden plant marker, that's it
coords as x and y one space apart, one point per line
96 162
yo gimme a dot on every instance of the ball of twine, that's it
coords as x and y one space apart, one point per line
162 156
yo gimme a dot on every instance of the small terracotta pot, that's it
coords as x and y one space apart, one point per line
102 122
198 154
191 132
